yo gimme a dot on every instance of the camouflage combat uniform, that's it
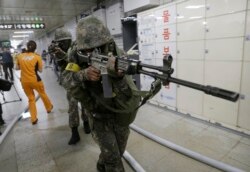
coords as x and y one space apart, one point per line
62 60
110 130
73 103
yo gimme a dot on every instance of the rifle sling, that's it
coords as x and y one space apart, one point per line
146 95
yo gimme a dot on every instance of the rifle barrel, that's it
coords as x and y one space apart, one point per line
210 90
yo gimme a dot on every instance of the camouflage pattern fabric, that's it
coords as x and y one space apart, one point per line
91 33
73 111
112 140
106 131
61 34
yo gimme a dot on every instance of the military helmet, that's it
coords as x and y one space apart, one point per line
61 34
91 33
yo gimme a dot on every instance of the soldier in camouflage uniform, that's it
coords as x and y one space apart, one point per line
64 44
109 129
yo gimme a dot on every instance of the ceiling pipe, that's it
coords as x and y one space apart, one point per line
209 161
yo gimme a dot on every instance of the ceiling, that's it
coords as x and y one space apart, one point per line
54 13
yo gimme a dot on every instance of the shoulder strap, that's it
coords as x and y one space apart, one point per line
146 95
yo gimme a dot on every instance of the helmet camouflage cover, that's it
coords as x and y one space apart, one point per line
91 33
62 34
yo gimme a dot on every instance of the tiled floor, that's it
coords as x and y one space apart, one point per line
44 147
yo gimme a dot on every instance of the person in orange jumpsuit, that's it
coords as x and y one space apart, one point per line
30 63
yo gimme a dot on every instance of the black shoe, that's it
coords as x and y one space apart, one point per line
35 122
86 127
75 137
49 111
2 122
100 167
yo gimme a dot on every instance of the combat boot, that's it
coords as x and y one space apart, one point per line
86 127
100 167
75 137
2 122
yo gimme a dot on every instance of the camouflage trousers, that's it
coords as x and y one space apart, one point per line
74 111
112 140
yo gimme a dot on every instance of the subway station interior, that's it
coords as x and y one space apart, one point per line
193 54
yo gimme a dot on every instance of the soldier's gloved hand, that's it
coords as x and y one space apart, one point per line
111 67
59 51
92 74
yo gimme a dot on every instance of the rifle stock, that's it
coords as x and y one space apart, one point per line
132 67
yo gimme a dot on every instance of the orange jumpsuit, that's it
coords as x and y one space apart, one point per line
29 64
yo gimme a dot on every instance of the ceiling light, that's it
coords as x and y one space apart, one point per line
195 17
28 31
20 36
194 6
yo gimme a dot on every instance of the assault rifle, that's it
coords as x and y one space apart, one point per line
162 73
52 47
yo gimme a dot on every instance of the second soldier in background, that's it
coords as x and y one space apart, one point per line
62 49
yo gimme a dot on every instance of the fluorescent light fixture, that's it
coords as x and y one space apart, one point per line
20 36
15 42
194 6
180 17
195 17
28 31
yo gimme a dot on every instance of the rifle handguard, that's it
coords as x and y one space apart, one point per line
129 66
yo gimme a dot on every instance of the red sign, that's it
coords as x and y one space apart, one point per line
166 34
165 50
165 16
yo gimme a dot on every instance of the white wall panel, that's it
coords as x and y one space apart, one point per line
224 74
244 117
191 50
188 99
215 7
167 95
146 35
147 52
113 17
165 48
247 37
211 37
165 15
165 33
193 30
146 20
191 70
224 49
220 110
191 10
231 25
146 82
248 23
247 50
